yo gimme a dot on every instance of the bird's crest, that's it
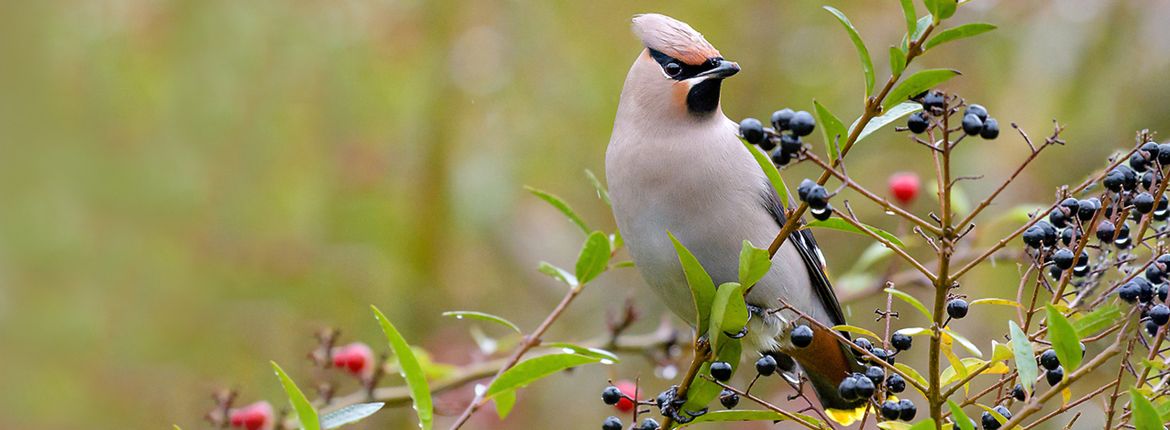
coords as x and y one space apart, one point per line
674 38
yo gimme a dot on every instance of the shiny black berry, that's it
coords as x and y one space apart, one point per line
1149 150
1054 376
875 374
1148 180
1033 236
817 197
649 424
790 143
728 399
1113 180
766 365
1058 218
1128 292
895 383
802 336
972 125
1163 153
1160 211
901 341
1018 392
1063 258
611 395
721 371
865 387
612 423
1003 411
1105 231
1048 359
1160 314
934 100
822 213
802 123
990 129
1163 291
863 343
1151 328
781 157
1082 267
1137 162
781 118
890 410
767 144
1088 208
1145 289
977 110
848 388
918 122
752 130
957 308
1143 203
907 410
803 189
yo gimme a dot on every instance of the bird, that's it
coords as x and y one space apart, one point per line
676 166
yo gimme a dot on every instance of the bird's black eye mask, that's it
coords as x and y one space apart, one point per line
679 70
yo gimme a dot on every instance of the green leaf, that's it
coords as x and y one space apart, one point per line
842 225
1064 339
556 202
920 26
942 9
960 32
1097 320
926 424
995 414
903 296
994 301
504 403
410 370
482 317
601 191
604 356
897 61
350 414
909 12
771 172
558 274
728 312
913 374
856 330
832 130
754 263
533 369
702 391
890 115
1025 357
747 415
1145 417
966 344
918 82
862 52
594 257
702 287
959 418
306 415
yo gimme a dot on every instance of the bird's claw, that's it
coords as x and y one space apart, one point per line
670 404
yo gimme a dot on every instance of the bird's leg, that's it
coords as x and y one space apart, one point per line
670 405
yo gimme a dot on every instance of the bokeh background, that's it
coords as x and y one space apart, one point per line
192 188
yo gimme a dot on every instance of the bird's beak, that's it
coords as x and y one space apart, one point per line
723 70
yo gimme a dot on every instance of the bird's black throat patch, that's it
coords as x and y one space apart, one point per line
704 97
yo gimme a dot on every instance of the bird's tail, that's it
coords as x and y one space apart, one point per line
826 362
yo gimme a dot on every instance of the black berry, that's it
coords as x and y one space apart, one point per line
802 123
1054 376
1063 258
1151 328
990 129
1143 203
721 371
1150 151
1137 162
1128 292
649 424
895 383
1145 289
1088 208
1163 153
781 118
790 143
989 421
612 423
817 197
848 388
907 410
804 188
972 125
1018 392
1048 359
875 374
977 110
865 387
1162 292
611 395
890 410
1113 180
1105 231
863 343
752 130
957 308
1160 314
802 336
766 365
823 213
1058 218
918 122
728 399
934 100
901 341
1034 236
781 157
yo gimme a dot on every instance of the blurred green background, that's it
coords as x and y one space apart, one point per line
192 188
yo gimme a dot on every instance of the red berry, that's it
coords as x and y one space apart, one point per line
255 416
628 388
356 358
904 187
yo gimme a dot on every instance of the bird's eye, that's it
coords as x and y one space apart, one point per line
672 69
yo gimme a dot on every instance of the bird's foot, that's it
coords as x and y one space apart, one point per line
671 405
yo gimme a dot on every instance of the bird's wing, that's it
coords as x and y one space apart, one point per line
806 246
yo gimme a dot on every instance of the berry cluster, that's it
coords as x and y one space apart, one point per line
622 396
817 198
976 121
866 385
783 138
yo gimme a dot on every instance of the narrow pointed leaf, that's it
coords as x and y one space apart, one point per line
962 341
960 32
832 130
890 115
306 414
913 374
702 287
1145 416
771 172
747 415
842 225
1097 320
728 312
918 82
533 369
1025 357
411 371
602 193
959 417
1064 339
903 296
594 257
556 202
994 301
926 424
558 274
897 61
753 264
606 357
504 403
862 52
482 317
909 12
349 414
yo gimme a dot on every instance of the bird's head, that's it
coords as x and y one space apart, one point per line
679 72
